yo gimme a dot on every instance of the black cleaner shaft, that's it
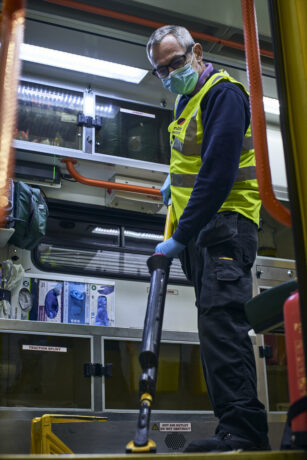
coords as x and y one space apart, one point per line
158 265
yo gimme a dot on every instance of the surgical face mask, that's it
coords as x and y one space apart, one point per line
181 81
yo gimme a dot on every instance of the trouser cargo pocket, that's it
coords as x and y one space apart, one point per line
228 245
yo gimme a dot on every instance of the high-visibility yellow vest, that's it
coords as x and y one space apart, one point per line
186 135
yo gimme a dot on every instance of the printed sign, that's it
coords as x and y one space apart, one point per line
175 427
168 291
44 348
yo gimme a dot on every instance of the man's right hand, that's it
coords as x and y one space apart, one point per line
166 190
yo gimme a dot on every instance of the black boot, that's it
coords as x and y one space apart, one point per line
222 442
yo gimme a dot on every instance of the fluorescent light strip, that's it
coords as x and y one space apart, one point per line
143 236
28 93
136 112
104 108
129 233
106 231
82 64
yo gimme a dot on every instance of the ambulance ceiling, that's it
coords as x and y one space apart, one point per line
72 30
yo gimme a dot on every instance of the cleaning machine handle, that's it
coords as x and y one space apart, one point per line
158 265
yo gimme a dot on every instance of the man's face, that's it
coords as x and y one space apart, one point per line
169 55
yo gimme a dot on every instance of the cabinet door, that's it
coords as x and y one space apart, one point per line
133 131
180 383
39 370
49 116
276 369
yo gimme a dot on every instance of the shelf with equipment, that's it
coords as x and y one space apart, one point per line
80 124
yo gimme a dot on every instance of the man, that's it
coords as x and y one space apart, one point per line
215 207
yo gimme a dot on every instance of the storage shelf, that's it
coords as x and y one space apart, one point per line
12 325
94 157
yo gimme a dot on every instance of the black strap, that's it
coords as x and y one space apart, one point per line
32 210
297 408
5 295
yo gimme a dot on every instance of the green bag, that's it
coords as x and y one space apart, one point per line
30 216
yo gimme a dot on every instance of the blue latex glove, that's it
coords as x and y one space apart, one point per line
102 318
51 304
170 248
51 301
165 190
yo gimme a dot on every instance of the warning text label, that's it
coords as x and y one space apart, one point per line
44 348
175 427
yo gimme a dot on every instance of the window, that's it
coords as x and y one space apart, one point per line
115 244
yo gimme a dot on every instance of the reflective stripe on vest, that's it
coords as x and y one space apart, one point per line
188 148
188 180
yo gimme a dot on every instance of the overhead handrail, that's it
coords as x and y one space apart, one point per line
270 202
11 37
148 23
106 184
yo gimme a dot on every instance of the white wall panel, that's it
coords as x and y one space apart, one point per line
131 301
276 156
131 298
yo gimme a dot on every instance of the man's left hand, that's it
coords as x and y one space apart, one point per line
170 248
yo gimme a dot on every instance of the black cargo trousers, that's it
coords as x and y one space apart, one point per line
219 264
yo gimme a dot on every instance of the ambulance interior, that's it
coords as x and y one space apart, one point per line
80 358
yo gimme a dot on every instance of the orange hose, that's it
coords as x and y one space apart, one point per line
148 23
271 204
106 184
11 36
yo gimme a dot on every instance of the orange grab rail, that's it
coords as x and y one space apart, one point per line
11 37
106 184
271 204
148 23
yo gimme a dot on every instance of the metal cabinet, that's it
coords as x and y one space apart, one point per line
79 123
180 384
133 131
40 370
49 116
43 365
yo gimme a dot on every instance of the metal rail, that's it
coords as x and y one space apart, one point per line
106 184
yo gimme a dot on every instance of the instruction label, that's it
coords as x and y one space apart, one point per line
168 291
44 348
175 426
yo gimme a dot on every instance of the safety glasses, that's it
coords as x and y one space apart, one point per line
176 63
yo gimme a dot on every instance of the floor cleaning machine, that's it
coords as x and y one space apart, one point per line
158 265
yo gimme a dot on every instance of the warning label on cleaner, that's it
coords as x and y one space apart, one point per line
175 427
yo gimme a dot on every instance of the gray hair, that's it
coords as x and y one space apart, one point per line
182 35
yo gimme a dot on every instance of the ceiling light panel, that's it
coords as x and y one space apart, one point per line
84 64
